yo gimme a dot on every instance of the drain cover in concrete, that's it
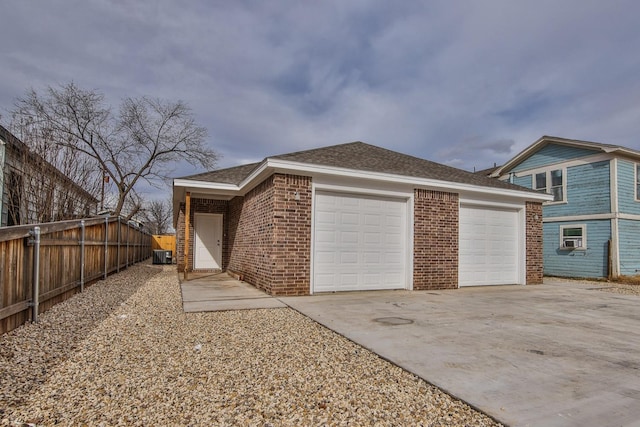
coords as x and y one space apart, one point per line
394 320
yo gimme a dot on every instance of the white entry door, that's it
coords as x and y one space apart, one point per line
208 241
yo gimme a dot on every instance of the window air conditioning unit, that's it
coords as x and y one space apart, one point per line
572 243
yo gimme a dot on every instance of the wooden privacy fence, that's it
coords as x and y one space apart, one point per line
44 264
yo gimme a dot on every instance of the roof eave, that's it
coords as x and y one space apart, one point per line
545 140
271 165
284 166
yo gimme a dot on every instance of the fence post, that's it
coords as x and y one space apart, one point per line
82 256
118 250
128 245
106 245
36 274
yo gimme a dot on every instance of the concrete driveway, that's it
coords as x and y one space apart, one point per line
543 355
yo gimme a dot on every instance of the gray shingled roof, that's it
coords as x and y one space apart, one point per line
233 175
365 157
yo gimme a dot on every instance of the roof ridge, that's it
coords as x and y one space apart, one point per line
311 150
578 141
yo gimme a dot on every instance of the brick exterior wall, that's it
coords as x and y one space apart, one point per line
534 261
270 235
251 235
291 254
435 240
200 206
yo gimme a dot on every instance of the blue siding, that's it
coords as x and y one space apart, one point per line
591 262
629 234
587 191
523 181
550 154
627 188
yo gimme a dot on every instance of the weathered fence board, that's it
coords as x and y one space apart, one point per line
67 262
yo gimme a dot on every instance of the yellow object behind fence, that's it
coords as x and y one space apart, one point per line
165 242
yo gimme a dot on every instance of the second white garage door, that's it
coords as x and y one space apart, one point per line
360 243
489 246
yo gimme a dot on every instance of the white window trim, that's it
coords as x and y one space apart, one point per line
635 181
584 237
548 179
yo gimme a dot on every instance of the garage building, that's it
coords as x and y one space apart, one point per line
355 217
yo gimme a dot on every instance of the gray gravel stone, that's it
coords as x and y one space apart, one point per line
124 353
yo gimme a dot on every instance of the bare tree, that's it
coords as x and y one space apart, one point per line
157 216
140 142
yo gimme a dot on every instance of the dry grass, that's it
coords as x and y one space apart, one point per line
629 280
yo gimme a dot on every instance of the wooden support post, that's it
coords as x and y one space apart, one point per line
187 215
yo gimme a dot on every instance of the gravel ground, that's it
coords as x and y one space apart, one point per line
618 288
621 288
124 353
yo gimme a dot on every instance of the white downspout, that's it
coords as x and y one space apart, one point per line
615 235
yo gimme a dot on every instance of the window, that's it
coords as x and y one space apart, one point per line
556 185
573 237
541 181
551 182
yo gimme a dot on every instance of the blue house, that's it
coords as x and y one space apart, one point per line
592 226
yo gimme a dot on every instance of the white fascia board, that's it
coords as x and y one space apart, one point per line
204 185
626 152
295 167
578 218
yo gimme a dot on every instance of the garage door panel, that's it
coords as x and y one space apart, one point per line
371 258
394 239
349 237
348 280
325 279
489 246
349 219
326 236
372 220
372 280
372 238
325 218
325 257
369 233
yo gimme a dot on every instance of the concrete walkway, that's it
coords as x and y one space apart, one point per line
220 292
547 355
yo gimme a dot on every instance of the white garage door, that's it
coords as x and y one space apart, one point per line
360 243
489 246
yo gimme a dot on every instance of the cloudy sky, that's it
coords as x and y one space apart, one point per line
465 83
